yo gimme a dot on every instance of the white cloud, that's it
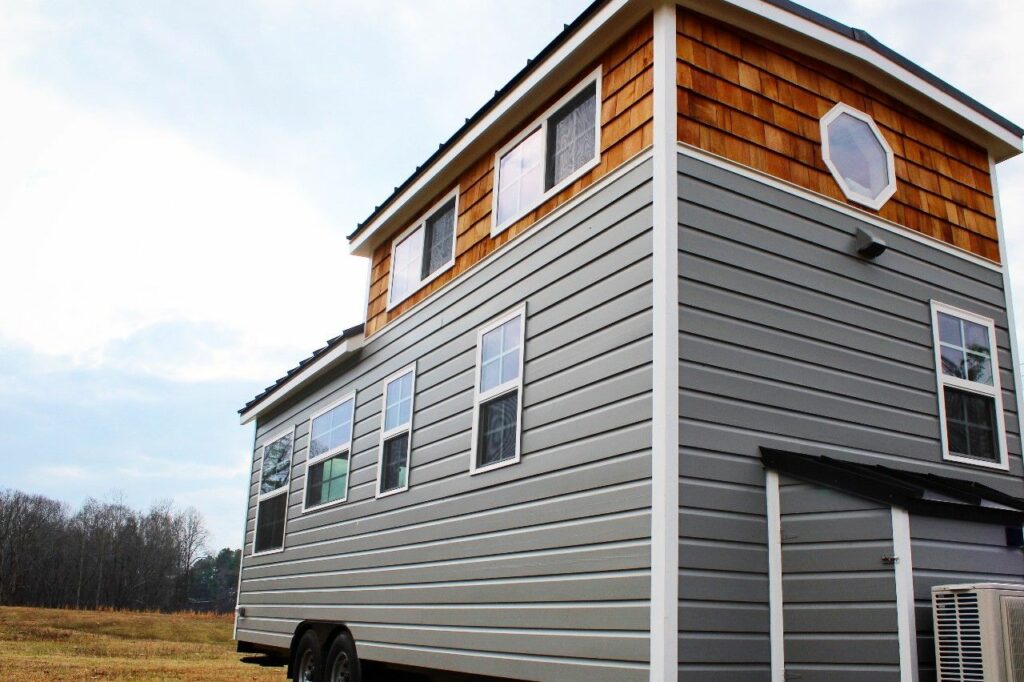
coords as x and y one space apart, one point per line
110 227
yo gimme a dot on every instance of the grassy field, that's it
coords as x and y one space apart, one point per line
54 644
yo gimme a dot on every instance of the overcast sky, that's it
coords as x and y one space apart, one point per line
177 178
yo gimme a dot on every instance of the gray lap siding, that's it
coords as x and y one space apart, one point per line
788 340
540 570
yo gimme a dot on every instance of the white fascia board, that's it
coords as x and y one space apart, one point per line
347 347
766 20
601 30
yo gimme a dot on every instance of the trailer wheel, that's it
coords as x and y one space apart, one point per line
308 659
342 664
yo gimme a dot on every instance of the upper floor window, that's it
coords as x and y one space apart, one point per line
396 433
497 409
272 499
423 251
549 154
330 447
858 156
970 400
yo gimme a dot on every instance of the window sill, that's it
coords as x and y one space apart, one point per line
394 491
497 465
324 506
999 466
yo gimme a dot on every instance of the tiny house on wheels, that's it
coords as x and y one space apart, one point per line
690 356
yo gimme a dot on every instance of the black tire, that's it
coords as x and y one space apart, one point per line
307 666
342 663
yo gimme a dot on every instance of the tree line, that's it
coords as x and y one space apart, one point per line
108 555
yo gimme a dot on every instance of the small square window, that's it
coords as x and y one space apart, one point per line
498 429
971 422
270 518
395 467
424 251
328 481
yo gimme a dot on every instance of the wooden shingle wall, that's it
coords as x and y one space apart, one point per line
626 129
759 104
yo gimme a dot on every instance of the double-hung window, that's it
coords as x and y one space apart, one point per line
424 251
497 409
272 499
329 457
970 399
549 154
396 433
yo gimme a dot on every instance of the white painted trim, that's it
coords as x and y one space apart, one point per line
346 348
665 390
826 154
568 57
627 166
313 461
396 431
281 490
541 124
1011 321
833 204
906 625
777 632
993 391
421 224
509 386
245 533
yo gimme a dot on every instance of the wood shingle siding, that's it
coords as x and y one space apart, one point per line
758 103
626 129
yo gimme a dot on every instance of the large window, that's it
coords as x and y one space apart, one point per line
272 500
396 433
549 154
330 447
970 401
498 406
423 251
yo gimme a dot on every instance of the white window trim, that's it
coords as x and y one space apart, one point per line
330 453
385 435
541 123
853 195
283 490
993 391
421 222
480 398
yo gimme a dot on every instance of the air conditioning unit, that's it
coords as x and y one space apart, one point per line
979 632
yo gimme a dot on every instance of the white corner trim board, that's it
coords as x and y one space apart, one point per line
776 624
665 417
906 625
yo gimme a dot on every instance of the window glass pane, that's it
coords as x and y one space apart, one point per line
270 524
500 355
439 239
952 361
520 177
949 330
394 469
276 464
979 368
498 428
331 430
328 480
405 271
971 424
398 402
976 337
858 155
571 138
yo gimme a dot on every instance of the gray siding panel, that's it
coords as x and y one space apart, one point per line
948 552
788 340
539 570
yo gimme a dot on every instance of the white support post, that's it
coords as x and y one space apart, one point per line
665 418
776 626
906 622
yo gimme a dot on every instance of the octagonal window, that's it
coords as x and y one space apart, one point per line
858 156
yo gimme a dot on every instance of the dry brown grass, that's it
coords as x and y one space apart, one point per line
57 644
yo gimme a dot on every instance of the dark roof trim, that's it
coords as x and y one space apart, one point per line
349 333
856 34
901 488
869 41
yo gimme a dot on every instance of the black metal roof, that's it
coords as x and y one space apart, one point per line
861 36
927 494
316 355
